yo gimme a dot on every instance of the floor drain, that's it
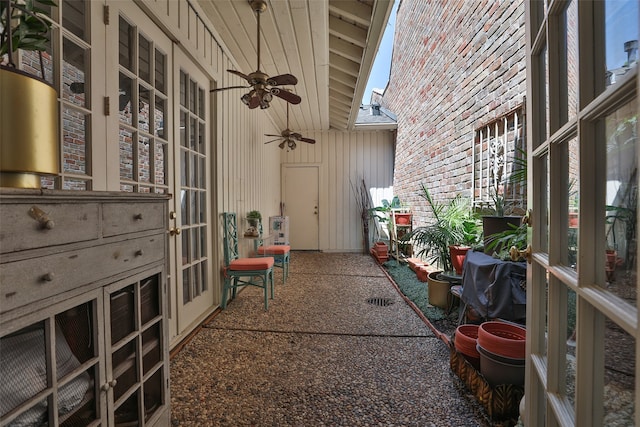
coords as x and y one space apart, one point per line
380 302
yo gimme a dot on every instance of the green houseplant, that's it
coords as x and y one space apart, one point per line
254 217
499 218
29 123
454 223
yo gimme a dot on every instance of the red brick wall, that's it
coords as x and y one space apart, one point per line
456 65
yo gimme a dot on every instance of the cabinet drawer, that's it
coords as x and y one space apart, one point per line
26 226
26 281
121 218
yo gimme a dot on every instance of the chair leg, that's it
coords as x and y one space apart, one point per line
265 282
286 267
225 290
273 287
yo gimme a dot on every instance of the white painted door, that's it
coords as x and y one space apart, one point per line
191 271
300 184
582 316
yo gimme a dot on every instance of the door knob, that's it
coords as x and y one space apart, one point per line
174 230
517 254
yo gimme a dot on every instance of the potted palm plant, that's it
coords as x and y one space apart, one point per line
29 122
453 223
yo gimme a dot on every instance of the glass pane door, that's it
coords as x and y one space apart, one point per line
582 316
192 278
142 105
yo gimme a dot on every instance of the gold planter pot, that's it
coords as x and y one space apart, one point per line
28 130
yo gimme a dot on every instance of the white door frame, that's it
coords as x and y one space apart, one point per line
311 218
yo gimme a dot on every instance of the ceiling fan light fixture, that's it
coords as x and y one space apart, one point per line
246 98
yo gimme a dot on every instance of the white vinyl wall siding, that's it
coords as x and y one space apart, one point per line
344 158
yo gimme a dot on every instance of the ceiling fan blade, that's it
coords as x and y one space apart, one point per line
268 134
283 79
286 95
307 140
277 139
230 87
296 135
238 73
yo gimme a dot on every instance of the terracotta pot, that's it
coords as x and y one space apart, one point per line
458 254
573 219
465 341
503 339
403 218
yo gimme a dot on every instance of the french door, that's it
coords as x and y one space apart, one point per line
163 109
191 277
582 315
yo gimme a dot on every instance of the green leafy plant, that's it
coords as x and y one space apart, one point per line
28 30
254 215
383 213
513 236
454 223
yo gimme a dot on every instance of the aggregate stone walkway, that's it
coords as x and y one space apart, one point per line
322 355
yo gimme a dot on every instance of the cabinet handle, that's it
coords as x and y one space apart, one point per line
108 385
42 217
48 277
139 252
138 216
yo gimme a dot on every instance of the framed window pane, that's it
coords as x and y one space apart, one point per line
144 59
621 200
74 143
161 72
125 99
126 154
573 204
73 72
160 108
144 108
160 163
74 17
144 159
569 65
127 38
620 38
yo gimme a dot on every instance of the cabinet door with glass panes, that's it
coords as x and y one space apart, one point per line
99 359
137 382
52 370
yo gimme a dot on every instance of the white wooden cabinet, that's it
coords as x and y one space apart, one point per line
83 309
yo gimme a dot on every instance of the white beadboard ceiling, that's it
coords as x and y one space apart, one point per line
329 45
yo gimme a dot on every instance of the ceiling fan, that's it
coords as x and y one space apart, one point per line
289 138
262 86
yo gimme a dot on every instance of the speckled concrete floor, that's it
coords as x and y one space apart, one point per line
320 356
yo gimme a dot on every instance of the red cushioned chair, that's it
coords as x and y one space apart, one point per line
279 252
243 271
